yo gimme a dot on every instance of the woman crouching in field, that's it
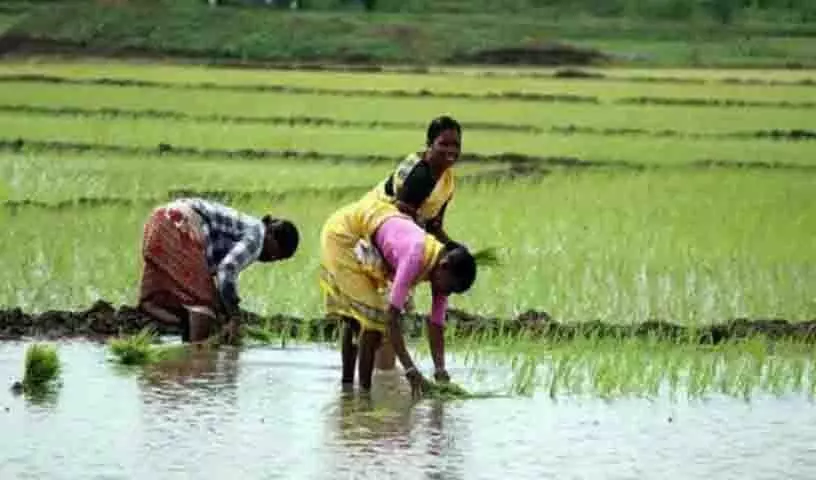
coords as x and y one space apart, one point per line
193 251
364 247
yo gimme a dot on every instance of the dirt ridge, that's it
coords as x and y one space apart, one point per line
419 93
102 320
290 89
20 144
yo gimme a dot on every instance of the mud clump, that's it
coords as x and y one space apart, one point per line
577 73
103 320
99 321
547 55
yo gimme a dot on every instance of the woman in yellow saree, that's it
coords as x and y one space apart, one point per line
423 184
372 256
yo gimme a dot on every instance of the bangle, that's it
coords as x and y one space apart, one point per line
412 368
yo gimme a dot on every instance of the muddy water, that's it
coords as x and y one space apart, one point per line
279 413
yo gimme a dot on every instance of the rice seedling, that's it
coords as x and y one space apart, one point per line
487 257
65 177
138 349
260 335
42 366
143 348
642 368
41 375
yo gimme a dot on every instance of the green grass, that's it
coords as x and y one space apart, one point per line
7 20
393 142
257 34
741 52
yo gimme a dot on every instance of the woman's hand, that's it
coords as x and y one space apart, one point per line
231 332
442 376
407 209
394 332
419 384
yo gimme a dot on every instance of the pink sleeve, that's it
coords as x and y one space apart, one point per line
439 308
408 268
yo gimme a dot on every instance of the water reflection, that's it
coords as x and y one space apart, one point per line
40 397
188 403
208 375
385 430
446 435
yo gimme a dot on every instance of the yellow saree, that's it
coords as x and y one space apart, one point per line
432 205
354 277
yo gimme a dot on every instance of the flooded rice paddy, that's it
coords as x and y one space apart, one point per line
656 206
280 413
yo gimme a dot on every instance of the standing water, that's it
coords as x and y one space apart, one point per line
280 413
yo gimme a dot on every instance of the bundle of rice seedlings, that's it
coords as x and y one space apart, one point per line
143 348
453 391
136 349
445 390
42 366
258 334
487 257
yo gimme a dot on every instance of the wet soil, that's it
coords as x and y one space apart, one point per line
103 320
555 54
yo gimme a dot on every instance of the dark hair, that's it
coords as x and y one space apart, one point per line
439 125
285 233
462 266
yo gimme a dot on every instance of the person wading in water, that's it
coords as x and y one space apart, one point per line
193 251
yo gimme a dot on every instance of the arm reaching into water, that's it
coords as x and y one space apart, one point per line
239 257
436 337
418 382
407 270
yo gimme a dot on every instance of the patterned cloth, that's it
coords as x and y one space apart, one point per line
233 241
175 274
413 183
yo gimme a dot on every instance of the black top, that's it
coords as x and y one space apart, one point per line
417 186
